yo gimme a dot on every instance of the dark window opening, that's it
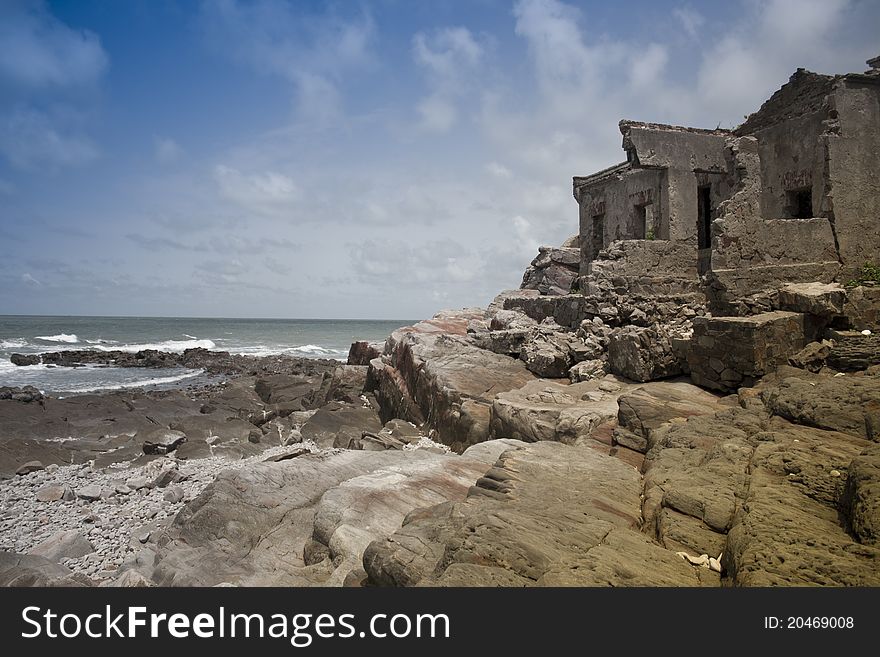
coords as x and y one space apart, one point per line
800 203
704 216
597 242
644 228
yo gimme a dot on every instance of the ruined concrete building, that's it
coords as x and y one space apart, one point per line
791 195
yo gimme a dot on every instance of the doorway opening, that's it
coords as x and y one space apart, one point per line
704 216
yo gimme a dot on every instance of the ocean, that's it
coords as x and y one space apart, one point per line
311 338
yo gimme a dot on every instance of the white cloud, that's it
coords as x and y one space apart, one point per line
450 56
438 114
37 50
48 70
648 66
258 192
311 51
753 57
691 20
166 150
27 279
498 170
447 51
30 139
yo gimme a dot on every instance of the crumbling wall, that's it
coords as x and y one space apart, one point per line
682 153
644 267
751 254
611 201
852 143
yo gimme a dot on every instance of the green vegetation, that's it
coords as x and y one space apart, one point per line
868 273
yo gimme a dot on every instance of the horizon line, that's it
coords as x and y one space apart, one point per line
288 319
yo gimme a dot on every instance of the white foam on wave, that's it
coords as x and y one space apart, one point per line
177 346
159 380
69 338
14 343
311 349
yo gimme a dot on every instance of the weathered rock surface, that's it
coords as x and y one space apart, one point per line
764 491
547 356
553 271
860 499
340 425
64 545
853 351
642 354
824 300
548 410
34 570
587 370
862 308
433 372
162 441
307 520
545 514
850 404
651 406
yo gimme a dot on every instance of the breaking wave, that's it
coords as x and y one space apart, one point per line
68 338
177 346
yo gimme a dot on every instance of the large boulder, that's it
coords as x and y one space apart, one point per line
642 353
433 372
362 352
547 355
553 271
162 441
33 570
547 410
825 300
340 425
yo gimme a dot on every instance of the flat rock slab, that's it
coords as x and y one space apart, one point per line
552 410
162 441
545 514
821 299
68 544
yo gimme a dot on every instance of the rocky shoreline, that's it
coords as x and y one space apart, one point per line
549 439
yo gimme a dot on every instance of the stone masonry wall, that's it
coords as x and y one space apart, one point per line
728 352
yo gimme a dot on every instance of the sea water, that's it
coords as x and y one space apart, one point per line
311 338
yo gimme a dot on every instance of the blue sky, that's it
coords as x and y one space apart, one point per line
377 159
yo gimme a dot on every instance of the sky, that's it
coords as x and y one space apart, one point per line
377 159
